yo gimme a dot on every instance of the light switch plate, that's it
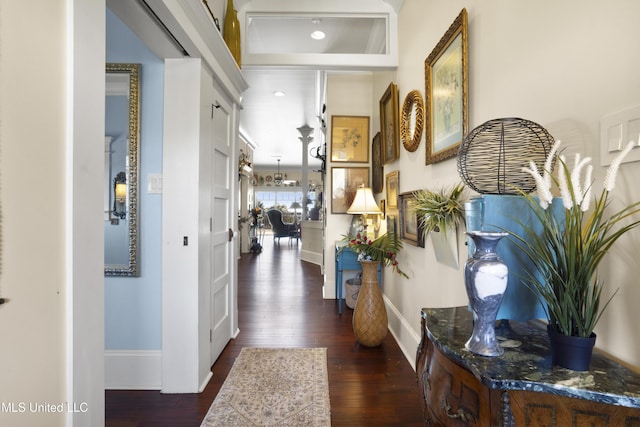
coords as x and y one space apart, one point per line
154 183
616 130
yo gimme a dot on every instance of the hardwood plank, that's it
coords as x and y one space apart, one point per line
280 305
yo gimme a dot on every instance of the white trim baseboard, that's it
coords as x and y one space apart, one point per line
133 369
310 256
407 339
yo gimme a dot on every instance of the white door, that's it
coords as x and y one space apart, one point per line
221 251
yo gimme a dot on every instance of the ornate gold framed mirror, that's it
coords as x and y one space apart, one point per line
412 121
122 133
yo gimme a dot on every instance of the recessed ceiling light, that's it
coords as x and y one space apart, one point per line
278 93
317 35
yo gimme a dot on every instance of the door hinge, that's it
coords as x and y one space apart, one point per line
210 335
210 224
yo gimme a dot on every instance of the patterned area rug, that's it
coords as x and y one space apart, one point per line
274 387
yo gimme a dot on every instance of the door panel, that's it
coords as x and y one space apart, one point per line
222 215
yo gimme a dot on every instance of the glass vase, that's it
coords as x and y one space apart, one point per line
231 31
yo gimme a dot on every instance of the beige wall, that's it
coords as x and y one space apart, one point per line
50 196
564 65
347 95
33 174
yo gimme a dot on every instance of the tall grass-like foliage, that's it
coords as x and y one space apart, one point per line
567 254
384 249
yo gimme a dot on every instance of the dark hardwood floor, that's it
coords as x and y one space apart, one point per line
280 305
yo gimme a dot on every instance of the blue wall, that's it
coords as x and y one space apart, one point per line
133 304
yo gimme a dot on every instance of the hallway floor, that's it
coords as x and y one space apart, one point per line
280 305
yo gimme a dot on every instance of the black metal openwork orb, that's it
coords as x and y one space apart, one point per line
491 156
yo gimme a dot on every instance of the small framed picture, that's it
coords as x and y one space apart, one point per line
344 184
389 124
393 183
410 227
377 170
350 139
392 224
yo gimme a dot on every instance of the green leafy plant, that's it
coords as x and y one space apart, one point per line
441 209
384 249
566 253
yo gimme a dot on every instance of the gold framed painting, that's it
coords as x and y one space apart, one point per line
377 170
389 124
446 95
392 183
350 139
344 184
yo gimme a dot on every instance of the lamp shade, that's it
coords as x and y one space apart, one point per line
295 205
364 203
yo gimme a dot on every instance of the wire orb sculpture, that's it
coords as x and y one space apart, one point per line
491 156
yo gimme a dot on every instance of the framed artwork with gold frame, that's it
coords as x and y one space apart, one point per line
446 95
350 139
392 183
344 184
389 124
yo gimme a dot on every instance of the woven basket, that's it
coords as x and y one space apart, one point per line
352 290
491 156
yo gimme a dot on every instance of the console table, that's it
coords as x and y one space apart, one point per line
346 259
519 388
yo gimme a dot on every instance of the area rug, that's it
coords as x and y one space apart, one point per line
274 387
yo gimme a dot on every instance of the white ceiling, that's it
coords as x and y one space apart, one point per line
271 121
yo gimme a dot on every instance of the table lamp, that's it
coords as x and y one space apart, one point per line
364 204
295 206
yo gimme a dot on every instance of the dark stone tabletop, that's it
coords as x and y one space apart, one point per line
526 362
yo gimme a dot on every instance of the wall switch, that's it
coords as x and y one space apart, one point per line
154 183
616 131
185 241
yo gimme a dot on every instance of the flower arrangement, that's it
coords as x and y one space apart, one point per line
384 249
567 251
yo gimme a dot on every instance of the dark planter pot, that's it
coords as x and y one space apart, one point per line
571 352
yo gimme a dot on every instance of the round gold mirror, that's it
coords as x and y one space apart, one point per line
412 121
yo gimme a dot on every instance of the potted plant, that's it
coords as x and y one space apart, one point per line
370 315
440 212
384 249
566 252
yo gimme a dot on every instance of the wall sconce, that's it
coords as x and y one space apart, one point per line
364 204
120 195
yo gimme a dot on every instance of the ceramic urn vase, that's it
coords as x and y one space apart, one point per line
485 278
370 315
